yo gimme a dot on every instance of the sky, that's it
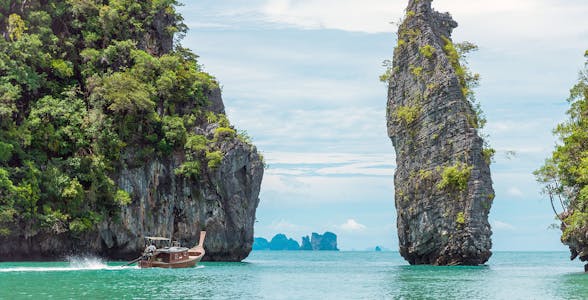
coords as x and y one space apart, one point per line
301 77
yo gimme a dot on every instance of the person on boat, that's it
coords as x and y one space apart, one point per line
150 250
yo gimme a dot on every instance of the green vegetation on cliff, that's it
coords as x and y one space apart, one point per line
456 54
88 87
407 114
468 80
565 173
455 177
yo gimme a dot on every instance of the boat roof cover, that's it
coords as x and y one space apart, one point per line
157 238
172 250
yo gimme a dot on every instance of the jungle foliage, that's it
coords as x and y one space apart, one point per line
565 174
82 82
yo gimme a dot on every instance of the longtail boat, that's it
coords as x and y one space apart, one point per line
162 252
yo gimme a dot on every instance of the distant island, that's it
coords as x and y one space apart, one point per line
325 242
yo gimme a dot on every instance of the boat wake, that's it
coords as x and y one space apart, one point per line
74 263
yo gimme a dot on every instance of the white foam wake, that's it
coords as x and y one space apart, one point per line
86 263
76 263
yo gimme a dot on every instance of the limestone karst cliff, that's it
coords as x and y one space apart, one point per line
443 188
223 201
110 131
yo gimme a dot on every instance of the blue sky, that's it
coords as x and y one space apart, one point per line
301 77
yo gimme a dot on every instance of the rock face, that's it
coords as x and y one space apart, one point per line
443 188
223 201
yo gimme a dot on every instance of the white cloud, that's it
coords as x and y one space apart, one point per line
500 20
289 136
523 19
523 149
367 169
369 16
329 164
202 25
291 230
328 158
290 171
290 88
279 191
515 192
512 125
352 225
499 225
278 182
285 226
519 184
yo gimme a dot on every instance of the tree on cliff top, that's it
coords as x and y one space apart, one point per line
565 174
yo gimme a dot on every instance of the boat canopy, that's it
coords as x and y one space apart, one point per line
173 250
157 238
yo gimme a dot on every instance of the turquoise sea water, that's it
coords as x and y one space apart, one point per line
302 275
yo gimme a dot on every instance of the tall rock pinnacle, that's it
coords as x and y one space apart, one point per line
443 188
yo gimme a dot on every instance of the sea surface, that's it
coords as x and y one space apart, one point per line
302 275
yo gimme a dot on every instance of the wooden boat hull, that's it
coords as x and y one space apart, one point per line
186 263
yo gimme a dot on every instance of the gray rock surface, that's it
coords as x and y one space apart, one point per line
223 201
429 123
215 100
